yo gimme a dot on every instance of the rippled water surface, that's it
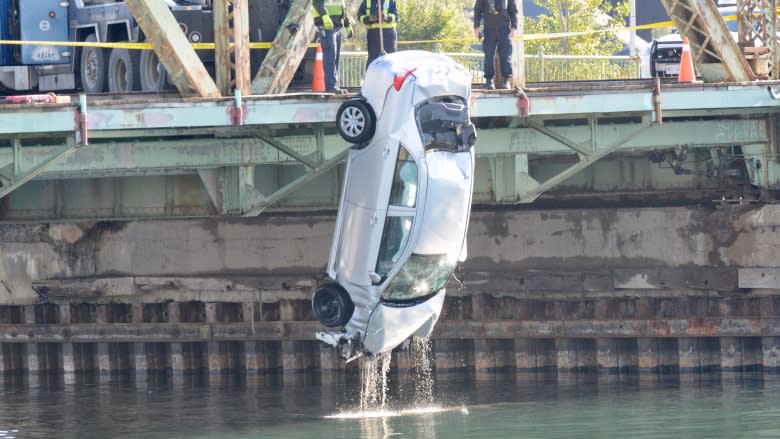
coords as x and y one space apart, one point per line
498 406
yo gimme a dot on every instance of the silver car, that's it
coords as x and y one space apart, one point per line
405 204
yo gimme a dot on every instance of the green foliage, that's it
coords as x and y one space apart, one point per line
435 20
424 20
577 16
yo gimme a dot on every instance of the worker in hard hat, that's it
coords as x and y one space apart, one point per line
332 22
380 18
498 18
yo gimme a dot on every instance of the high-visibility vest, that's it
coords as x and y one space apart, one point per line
333 7
385 9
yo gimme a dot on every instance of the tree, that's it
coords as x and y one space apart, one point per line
425 20
577 16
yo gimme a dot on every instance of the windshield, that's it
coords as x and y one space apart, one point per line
420 276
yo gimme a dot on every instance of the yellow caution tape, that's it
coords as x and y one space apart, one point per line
123 45
267 45
550 36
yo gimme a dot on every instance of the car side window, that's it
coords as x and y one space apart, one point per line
404 190
394 239
398 224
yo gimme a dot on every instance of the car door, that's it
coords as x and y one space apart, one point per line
401 212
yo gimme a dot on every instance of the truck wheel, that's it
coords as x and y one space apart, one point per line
123 71
332 305
356 121
92 67
152 73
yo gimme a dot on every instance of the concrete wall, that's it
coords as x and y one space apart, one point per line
505 240
654 289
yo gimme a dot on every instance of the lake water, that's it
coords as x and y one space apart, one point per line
502 405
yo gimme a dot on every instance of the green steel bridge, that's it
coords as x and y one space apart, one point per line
236 146
150 157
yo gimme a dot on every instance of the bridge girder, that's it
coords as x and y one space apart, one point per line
288 151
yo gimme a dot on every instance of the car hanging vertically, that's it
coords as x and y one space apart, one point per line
405 203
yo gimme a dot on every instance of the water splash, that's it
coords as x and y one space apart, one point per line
375 409
373 392
420 352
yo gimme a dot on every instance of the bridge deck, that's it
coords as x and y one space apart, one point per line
257 152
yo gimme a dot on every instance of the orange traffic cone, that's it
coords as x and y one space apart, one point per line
686 64
318 77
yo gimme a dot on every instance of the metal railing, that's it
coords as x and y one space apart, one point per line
538 68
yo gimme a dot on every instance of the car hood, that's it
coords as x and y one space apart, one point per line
390 325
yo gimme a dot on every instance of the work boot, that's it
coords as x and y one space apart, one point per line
506 82
336 90
489 84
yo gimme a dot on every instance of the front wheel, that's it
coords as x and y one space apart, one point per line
332 305
356 121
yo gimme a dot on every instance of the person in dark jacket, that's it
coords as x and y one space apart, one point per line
499 20
331 19
376 21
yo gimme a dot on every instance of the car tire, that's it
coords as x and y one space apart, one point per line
356 121
332 305
92 67
123 71
152 74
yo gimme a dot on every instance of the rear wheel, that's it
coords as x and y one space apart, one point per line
92 67
152 73
356 121
332 305
123 71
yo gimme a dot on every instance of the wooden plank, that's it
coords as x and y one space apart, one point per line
173 49
717 56
231 38
287 50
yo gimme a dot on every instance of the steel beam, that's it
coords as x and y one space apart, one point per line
298 183
188 114
287 50
717 56
584 162
172 48
231 39
121 157
23 178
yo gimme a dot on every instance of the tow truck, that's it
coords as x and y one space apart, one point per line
48 67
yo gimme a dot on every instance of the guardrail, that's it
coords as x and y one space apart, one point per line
538 68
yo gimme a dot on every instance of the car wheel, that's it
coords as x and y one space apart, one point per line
152 74
356 121
92 67
123 71
332 305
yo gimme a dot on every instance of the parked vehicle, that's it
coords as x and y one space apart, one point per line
405 203
662 57
47 67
